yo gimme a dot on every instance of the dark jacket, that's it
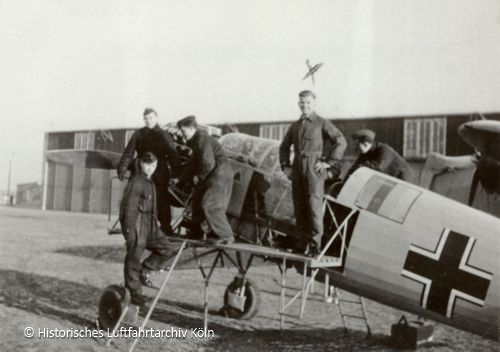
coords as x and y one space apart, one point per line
383 158
309 138
154 140
207 157
138 205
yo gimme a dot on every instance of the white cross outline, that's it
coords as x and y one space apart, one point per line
436 255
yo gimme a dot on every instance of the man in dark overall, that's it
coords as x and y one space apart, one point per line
212 176
152 138
138 219
311 163
379 156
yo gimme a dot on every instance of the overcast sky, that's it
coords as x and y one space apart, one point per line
68 65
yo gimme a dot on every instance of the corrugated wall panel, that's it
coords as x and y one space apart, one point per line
77 191
81 189
87 186
51 178
99 192
63 187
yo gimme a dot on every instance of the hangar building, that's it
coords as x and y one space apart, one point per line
83 188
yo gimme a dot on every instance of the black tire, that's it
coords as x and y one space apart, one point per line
252 300
111 305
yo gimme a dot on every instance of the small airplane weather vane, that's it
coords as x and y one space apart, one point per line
312 70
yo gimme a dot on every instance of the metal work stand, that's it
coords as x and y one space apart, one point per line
310 268
221 253
155 301
357 302
313 264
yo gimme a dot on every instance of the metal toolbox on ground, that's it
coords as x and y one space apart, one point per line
411 334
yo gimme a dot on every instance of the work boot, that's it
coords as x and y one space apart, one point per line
145 281
286 243
194 232
166 230
312 250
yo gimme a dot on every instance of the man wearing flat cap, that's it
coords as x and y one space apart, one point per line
212 176
379 156
151 138
312 163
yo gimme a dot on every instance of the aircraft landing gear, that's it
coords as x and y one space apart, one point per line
241 299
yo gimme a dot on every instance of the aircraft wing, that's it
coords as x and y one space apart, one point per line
449 176
438 164
478 133
96 159
452 177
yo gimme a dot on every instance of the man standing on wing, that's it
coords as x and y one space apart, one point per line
311 164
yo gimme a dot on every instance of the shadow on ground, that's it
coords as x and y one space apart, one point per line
50 297
305 340
77 303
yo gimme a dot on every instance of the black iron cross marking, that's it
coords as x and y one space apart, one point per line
446 274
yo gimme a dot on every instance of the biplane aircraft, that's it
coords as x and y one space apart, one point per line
385 239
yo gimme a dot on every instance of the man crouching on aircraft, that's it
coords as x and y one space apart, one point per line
379 156
311 163
138 218
212 176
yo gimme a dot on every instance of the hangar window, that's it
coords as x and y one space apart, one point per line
274 131
424 136
85 140
387 198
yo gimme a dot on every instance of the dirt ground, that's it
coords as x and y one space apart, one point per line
55 265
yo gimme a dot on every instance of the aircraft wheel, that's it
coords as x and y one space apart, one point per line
252 299
111 305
